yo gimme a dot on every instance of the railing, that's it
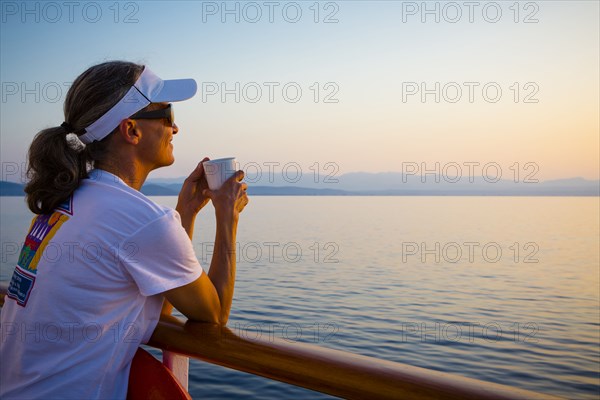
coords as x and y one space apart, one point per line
325 370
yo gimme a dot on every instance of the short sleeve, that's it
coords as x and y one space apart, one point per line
160 256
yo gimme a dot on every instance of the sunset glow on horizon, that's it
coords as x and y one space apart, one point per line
367 86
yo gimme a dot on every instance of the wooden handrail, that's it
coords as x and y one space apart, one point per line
325 370
321 369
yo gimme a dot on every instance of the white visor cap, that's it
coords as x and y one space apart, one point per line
149 88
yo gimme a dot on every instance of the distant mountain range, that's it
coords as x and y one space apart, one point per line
375 184
11 189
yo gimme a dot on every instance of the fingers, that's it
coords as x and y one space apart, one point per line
237 176
244 196
233 182
198 171
232 194
244 201
208 193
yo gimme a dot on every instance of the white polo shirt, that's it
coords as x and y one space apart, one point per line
87 291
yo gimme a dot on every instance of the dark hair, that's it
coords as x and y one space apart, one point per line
55 168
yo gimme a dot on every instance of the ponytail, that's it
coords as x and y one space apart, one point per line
55 169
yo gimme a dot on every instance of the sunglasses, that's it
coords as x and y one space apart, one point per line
157 114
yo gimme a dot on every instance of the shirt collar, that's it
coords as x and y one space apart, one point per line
100 175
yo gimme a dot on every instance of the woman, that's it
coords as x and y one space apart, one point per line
102 262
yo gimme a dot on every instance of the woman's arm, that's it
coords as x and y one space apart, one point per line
189 203
209 298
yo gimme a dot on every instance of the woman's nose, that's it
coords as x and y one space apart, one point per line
175 128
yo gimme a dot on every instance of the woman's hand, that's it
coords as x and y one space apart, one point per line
231 198
191 198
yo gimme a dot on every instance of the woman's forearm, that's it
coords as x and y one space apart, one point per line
223 264
229 201
188 219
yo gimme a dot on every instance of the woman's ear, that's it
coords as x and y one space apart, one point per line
129 131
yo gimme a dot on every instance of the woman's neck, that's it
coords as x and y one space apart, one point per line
132 173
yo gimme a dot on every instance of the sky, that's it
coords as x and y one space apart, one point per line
330 87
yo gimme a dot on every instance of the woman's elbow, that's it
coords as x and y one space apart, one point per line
213 317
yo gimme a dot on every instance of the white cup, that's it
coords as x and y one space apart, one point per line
218 171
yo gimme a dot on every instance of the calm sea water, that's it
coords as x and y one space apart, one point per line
503 289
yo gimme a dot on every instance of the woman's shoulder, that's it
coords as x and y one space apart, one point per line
107 197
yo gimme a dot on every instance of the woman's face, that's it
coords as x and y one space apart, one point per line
156 148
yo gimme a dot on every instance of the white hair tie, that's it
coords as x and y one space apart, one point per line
74 142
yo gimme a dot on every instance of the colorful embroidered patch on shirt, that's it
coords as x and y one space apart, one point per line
41 231
66 206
